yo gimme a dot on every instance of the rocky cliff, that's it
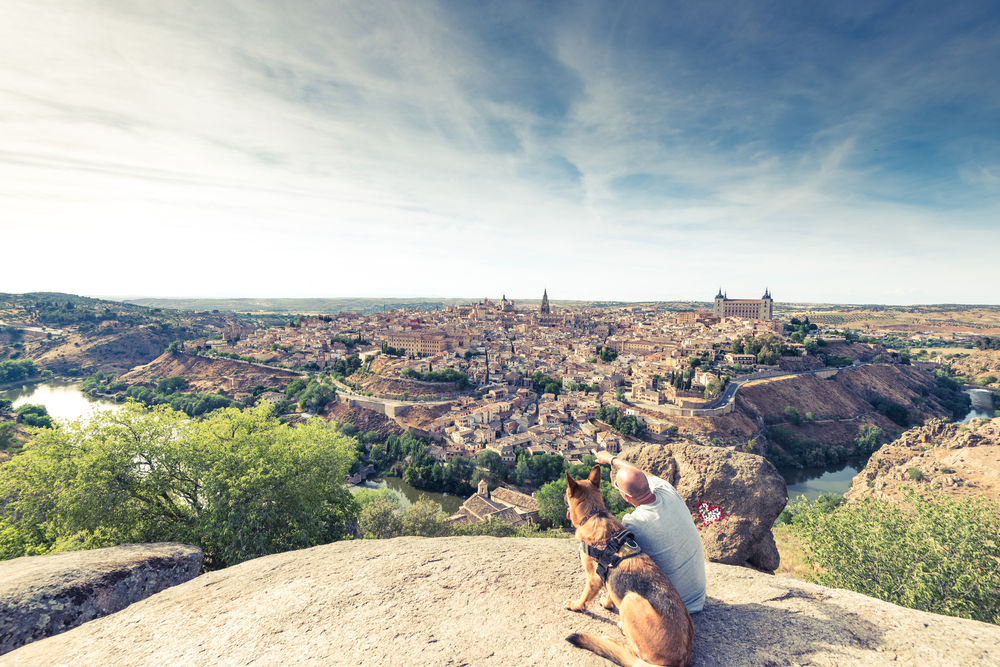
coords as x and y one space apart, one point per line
957 460
486 601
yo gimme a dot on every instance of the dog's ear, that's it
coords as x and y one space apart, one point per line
595 476
570 484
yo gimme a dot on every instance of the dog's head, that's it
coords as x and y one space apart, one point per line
584 498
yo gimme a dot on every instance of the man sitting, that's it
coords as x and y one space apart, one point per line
663 528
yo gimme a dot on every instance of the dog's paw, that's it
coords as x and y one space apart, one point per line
608 603
572 605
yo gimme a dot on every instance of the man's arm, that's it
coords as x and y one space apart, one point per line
604 457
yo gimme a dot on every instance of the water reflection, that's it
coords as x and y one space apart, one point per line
62 398
982 405
409 494
811 482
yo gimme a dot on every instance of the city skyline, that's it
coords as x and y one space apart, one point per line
625 152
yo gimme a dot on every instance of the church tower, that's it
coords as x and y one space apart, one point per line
545 302
719 309
767 305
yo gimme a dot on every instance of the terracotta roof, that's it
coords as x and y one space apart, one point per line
517 499
508 515
480 507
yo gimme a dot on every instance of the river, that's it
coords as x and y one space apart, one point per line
982 405
811 482
62 398
409 494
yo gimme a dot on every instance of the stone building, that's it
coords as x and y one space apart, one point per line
501 504
753 309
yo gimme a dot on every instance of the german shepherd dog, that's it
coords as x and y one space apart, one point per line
657 627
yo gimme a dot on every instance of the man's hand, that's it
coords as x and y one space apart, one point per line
604 457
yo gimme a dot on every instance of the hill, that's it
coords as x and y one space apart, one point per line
840 406
209 375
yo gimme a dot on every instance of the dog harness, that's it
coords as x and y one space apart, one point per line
619 548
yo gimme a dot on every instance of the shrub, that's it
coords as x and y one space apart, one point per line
792 415
937 555
915 474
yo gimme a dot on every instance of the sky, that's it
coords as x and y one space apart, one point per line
837 152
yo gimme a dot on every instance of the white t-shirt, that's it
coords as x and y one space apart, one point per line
664 530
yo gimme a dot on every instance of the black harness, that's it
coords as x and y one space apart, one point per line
620 547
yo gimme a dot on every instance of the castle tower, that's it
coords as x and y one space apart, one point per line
545 302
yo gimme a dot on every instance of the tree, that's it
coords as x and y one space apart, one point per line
425 519
522 473
238 484
494 463
792 415
552 503
379 518
34 415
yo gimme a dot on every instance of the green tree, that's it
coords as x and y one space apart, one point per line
425 519
792 415
238 484
552 503
494 463
379 517
34 415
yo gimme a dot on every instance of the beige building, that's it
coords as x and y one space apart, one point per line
751 309
424 341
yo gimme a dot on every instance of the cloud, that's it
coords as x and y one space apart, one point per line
445 148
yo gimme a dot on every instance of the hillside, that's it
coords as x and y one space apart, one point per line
113 352
840 405
209 375
382 378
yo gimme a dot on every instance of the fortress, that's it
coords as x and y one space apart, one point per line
754 309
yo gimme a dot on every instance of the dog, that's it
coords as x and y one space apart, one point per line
656 624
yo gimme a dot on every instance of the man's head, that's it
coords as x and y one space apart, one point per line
632 484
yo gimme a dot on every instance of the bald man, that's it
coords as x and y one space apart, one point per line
663 528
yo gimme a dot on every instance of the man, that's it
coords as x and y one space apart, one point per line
663 528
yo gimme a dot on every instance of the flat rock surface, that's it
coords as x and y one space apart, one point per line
41 596
486 601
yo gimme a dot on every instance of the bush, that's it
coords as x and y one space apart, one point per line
792 415
915 474
938 555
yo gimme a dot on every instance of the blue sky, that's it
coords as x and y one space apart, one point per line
839 152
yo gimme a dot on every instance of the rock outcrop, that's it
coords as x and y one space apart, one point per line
486 601
734 498
956 460
42 596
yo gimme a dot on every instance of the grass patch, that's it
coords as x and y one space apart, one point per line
792 551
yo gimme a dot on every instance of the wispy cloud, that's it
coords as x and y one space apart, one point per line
608 150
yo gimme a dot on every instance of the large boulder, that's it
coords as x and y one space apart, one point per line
734 498
41 596
486 601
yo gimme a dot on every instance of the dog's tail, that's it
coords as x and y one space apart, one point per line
607 648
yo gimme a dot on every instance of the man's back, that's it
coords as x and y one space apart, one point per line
665 531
